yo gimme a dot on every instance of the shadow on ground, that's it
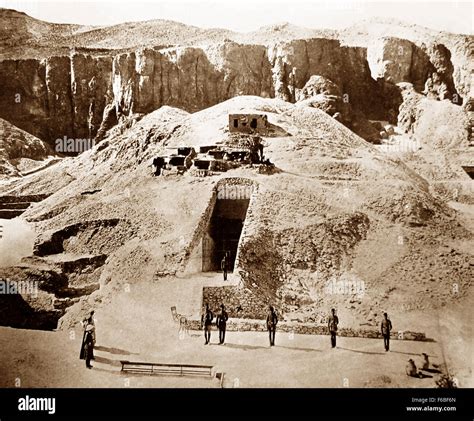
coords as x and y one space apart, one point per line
115 351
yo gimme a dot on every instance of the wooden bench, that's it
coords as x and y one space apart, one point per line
167 369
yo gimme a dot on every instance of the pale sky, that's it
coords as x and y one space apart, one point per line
247 15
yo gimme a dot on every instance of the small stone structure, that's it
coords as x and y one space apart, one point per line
238 149
179 161
248 123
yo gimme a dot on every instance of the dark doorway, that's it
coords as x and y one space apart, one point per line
253 123
223 233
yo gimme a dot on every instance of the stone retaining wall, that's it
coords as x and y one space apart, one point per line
239 302
247 325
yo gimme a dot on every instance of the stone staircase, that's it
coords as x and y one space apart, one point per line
79 270
13 206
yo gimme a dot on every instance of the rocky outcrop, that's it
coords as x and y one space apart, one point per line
320 92
71 96
95 232
189 78
433 123
398 60
17 145
295 62
428 68
90 92
318 85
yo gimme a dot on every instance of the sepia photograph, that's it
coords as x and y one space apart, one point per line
236 195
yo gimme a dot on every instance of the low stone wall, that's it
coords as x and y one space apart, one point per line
239 302
247 325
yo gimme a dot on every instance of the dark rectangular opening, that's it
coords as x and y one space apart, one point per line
236 122
253 123
217 154
469 170
206 149
223 233
185 151
202 164
238 155
177 160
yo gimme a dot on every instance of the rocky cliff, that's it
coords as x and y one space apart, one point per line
428 68
67 96
70 88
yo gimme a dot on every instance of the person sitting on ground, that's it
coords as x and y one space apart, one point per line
411 368
426 362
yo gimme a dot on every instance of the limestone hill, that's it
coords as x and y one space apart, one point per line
337 210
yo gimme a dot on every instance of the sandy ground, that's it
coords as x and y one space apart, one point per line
50 359
137 326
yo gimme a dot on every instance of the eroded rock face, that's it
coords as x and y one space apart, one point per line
17 145
90 93
433 123
56 97
83 95
397 60
428 68
189 78
67 96
296 61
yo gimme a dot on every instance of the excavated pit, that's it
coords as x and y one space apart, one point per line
65 267
223 235
222 226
